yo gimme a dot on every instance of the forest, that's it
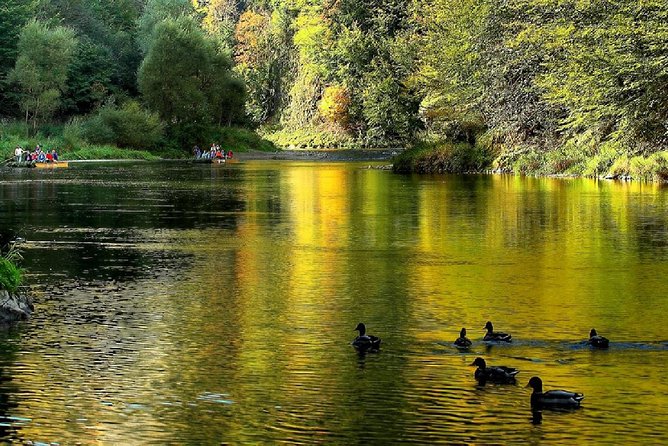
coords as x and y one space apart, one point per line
530 86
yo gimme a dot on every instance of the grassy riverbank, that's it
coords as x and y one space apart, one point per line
70 146
604 160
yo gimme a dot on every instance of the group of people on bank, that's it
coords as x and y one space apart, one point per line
214 152
35 156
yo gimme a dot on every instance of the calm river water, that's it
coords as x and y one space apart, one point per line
189 304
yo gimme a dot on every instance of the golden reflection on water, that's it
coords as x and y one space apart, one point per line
246 337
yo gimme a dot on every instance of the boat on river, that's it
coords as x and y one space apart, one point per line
52 165
40 165
212 160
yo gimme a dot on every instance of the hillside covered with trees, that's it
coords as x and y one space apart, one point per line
547 86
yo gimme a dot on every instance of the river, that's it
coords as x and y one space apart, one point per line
194 304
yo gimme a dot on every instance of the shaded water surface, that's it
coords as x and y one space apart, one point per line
193 304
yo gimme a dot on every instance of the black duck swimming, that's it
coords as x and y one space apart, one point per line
492 335
597 341
494 374
462 341
552 398
365 342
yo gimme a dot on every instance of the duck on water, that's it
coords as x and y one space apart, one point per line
462 341
496 336
365 342
494 374
595 340
552 399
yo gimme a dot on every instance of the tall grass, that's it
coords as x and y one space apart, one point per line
107 153
11 276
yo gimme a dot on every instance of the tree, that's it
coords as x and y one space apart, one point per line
220 18
263 60
614 51
186 80
106 60
155 12
14 14
335 104
44 55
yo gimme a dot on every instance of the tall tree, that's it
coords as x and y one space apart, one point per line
157 11
14 14
44 55
220 18
186 79
263 59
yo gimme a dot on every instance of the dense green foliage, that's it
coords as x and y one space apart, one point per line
562 86
11 275
129 73
443 157
544 86
187 80
126 126
41 69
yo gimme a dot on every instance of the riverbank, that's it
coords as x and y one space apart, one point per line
604 162
71 148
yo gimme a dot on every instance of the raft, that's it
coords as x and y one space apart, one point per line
211 160
52 165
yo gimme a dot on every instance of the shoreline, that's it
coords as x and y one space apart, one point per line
282 155
321 155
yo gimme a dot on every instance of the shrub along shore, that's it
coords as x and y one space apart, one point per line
607 162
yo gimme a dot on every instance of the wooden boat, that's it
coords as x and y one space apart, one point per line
52 165
210 160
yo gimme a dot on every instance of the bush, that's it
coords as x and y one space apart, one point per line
241 140
528 163
602 161
96 131
128 126
443 157
73 135
621 167
652 168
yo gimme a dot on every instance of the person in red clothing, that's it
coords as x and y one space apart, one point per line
49 157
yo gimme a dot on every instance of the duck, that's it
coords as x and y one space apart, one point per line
494 374
365 342
552 398
597 341
492 335
462 341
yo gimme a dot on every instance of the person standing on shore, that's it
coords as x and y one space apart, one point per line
18 153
